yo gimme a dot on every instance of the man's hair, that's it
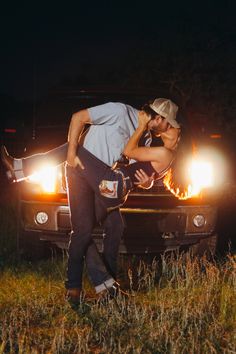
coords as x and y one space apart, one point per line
149 111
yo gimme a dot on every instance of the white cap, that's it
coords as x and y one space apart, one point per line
167 109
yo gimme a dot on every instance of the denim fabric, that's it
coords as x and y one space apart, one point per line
95 171
86 209
114 227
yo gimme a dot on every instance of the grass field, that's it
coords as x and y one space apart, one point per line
187 307
179 304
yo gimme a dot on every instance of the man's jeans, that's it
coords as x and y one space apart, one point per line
85 210
84 207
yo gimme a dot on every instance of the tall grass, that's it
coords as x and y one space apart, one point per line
8 227
180 305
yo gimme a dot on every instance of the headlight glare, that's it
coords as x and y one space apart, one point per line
201 174
46 178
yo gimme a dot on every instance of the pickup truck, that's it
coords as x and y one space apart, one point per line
157 220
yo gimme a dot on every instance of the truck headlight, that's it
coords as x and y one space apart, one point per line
46 178
201 175
207 168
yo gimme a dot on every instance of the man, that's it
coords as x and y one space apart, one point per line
112 124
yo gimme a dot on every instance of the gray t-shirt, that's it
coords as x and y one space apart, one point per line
113 124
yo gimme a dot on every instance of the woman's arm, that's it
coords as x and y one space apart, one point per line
132 149
142 153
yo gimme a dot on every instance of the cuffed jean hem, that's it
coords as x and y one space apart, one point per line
17 164
19 174
106 284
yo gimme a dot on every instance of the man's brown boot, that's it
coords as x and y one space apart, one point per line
74 296
7 160
112 292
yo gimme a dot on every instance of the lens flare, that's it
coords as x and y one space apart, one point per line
46 178
200 175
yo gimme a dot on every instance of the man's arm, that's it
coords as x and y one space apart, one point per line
77 124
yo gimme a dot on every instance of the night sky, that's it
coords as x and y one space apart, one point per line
43 44
186 46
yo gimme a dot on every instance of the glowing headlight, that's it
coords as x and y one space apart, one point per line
198 173
212 166
199 220
46 178
41 217
201 174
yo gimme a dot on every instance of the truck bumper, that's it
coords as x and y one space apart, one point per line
147 230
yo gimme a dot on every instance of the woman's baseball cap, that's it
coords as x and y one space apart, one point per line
167 109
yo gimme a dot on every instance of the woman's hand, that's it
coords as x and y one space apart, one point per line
143 120
144 181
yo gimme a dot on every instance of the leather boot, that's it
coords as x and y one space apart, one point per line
7 160
112 292
74 296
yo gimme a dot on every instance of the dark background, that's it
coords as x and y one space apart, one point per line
184 46
183 49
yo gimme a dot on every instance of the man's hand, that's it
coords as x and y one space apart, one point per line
74 161
144 181
76 128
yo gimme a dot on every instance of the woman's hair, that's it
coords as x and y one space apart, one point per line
149 111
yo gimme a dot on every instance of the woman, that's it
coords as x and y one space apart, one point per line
112 185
